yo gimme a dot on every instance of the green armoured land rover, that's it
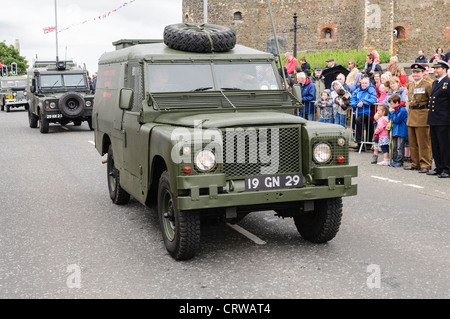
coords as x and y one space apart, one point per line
58 92
13 92
203 134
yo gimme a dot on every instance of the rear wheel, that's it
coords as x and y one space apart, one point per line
118 195
323 223
180 229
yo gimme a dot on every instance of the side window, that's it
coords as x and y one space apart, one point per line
135 82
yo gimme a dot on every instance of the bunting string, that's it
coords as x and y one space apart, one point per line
97 18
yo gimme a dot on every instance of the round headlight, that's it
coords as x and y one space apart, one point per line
52 105
205 160
322 153
88 103
341 141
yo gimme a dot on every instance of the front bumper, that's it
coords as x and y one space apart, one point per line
56 115
16 103
214 191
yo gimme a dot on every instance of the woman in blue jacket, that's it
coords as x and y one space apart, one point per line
362 99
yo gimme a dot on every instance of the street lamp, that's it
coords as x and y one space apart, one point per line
294 29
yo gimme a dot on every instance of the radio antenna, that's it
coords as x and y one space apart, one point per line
276 42
56 31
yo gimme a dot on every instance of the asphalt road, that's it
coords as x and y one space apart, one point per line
62 237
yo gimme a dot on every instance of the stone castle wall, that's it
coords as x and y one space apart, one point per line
334 24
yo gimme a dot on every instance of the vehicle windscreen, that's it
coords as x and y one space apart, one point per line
62 80
199 77
13 84
48 81
74 79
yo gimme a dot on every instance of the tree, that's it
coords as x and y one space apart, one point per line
9 54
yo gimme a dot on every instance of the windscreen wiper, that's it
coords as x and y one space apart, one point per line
202 89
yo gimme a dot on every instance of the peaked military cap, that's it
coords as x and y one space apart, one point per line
440 63
417 67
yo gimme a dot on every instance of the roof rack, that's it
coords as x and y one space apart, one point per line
51 63
125 43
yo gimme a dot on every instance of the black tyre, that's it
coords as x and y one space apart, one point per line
322 225
32 119
8 109
89 120
118 195
71 104
180 229
44 124
199 37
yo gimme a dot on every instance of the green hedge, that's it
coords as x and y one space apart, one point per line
340 57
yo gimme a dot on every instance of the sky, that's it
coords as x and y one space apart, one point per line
84 43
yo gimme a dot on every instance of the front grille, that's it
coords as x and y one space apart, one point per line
260 151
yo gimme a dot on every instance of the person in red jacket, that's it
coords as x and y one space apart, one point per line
291 63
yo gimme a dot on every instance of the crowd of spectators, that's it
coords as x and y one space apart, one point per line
382 103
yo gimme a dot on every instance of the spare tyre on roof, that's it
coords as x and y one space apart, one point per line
202 38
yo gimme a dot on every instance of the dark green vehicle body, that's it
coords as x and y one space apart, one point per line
151 131
13 92
58 93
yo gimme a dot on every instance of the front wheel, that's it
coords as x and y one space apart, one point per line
118 195
32 119
323 223
180 229
44 124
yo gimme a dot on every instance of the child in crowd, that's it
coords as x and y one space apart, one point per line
398 115
383 92
401 74
376 137
376 59
341 101
382 134
325 104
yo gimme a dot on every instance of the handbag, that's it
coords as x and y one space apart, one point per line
389 126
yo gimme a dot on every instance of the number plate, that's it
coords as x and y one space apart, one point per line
54 116
256 183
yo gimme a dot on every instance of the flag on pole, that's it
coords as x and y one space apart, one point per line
49 29
99 17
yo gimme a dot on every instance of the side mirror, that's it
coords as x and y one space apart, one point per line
126 99
297 92
33 86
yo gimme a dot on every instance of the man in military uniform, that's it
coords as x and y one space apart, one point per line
419 92
439 119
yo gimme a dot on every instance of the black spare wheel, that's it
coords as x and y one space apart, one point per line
71 104
195 37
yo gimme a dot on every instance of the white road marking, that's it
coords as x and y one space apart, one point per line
395 181
386 179
247 234
92 142
413 185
